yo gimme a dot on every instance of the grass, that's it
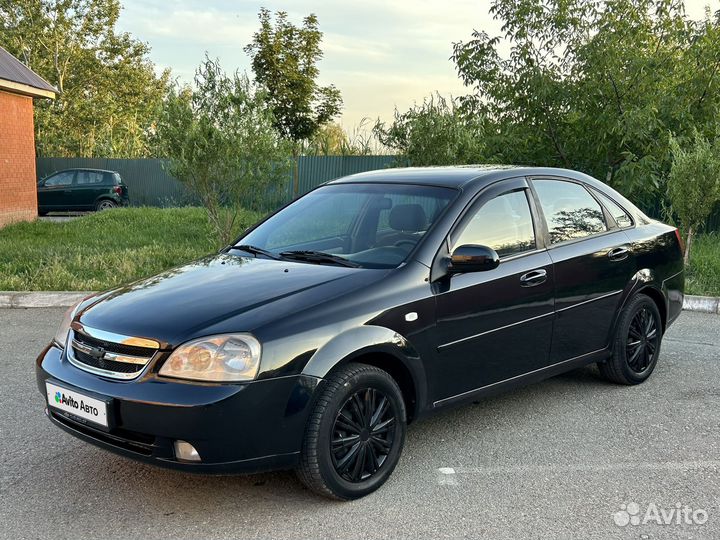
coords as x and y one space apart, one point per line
703 272
99 251
102 250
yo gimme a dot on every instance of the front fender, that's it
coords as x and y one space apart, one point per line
367 340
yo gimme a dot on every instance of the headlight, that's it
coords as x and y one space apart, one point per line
62 332
223 358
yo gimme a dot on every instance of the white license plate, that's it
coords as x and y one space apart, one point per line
77 404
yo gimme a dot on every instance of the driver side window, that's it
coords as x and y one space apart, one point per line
60 179
503 224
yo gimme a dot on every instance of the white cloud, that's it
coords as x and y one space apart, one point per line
379 53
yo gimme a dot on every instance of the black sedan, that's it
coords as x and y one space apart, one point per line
375 299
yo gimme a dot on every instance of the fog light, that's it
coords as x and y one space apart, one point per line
185 451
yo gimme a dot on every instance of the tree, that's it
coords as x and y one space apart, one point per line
110 95
595 85
284 60
693 185
435 132
332 140
222 143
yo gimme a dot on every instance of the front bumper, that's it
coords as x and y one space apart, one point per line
245 427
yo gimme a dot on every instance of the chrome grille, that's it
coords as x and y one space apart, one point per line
107 354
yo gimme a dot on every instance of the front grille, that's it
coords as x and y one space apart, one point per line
107 358
109 346
108 365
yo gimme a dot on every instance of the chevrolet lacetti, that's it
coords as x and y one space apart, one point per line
314 339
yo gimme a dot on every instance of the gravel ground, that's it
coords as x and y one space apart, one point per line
566 458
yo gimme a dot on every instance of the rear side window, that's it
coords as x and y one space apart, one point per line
571 212
503 223
116 180
621 217
89 178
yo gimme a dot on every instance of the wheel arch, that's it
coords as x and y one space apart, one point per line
380 347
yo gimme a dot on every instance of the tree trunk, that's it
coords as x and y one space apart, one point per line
296 172
687 245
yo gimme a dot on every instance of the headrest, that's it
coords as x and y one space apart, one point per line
408 217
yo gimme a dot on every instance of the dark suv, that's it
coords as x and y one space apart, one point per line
81 189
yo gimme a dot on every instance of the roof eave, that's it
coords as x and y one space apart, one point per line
26 90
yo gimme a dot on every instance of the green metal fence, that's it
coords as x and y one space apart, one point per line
150 184
147 179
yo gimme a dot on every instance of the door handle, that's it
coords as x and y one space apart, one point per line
618 254
533 278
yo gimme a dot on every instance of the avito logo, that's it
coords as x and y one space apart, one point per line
62 399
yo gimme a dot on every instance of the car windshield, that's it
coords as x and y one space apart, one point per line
366 225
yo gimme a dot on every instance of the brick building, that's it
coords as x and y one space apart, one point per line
18 183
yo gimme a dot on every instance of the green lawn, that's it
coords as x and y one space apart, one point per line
105 249
101 250
703 273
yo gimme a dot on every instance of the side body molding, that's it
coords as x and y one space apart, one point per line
367 340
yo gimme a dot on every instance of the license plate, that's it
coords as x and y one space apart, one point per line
77 404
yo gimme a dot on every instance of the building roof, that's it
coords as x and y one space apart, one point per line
16 77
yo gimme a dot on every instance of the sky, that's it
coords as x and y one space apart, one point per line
381 54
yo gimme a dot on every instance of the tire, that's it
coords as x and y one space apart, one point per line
104 204
636 345
42 213
333 473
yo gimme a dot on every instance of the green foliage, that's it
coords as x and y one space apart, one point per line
703 273
693 185
222 143
105 249
284 60
332 140
110 95
594 85
435 132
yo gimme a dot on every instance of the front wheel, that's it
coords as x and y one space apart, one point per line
355 433
637 343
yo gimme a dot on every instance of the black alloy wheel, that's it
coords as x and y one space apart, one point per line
355 433
636 345
642 341
363 435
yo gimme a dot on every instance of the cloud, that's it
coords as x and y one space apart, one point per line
379 53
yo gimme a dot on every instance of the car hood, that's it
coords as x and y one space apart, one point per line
221 292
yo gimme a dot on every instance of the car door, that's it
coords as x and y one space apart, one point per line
496 324
592 262
55 192
89 185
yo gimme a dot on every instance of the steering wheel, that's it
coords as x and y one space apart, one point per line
411 243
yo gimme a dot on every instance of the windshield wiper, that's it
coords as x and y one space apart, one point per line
319 257
258 251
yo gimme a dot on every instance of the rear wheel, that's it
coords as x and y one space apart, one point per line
105 204
355 433
637 343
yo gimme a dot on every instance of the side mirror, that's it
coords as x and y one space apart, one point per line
473 258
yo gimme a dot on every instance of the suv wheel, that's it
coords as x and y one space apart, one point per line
637 343
105 204
355 433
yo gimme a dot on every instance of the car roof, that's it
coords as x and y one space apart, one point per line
458 177
84 169
476 177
